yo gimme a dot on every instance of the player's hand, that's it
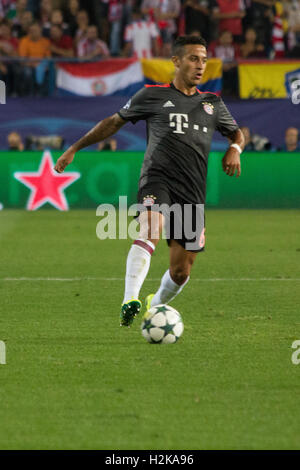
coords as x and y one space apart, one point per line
66 158
231 162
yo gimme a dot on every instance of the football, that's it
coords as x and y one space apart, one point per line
162 324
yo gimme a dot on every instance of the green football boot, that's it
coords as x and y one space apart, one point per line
148 301
129 311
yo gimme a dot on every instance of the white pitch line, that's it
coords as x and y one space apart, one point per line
109 279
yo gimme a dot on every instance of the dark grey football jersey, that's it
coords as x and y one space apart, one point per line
179 135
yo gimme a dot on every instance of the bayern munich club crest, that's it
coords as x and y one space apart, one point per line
208 108
149 200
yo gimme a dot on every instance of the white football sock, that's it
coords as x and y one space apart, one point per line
168 290
137 267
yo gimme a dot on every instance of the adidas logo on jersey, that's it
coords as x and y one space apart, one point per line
168 104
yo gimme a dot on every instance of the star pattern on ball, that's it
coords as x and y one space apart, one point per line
168 328
47 185
147 324
161 309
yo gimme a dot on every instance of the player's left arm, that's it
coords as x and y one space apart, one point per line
231 161
228 127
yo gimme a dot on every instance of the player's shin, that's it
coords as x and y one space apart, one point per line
137 267
168 290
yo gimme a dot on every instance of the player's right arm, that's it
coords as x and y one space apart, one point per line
101 131
137 108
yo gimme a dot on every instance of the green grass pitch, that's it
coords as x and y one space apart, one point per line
75 380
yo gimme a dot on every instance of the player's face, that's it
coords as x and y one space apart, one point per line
291 136
191 64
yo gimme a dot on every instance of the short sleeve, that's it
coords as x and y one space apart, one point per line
138 107
225 122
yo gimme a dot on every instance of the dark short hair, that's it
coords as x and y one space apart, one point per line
5 22
182 41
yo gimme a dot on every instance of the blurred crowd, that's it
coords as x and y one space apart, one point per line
258 143
253 142
33 31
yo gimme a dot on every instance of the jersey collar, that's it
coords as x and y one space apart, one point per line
187 96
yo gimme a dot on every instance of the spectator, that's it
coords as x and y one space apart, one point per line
7 7
164 13
14 141
228 52
21 29
140 37
41 142
21 6
34 45
251 47
57 19
33 72
292 12
230 14
33 6
115 15
8 48
82 20
291 140
108 144
8 43
61 44
45 12
261 16
246 20
128 6
91 47
70 15
278 32
255 142
197 13
7 75
58 4
100 15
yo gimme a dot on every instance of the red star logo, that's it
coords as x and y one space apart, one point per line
46 185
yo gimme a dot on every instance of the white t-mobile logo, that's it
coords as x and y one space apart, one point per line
178 121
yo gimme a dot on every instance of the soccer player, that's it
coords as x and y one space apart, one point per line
180 123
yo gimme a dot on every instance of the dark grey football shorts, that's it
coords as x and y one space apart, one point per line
184 222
